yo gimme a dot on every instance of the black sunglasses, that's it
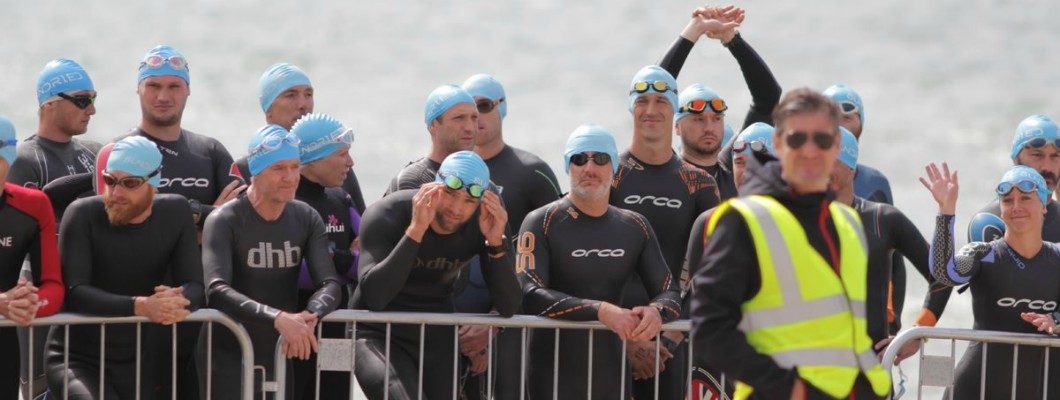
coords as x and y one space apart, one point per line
823 140
485 106
81 101
598 159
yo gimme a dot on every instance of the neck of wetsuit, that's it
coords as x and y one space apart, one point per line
308 188
1026 244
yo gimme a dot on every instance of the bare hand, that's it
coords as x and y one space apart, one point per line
166 306
492 218
299 340
641 357
479 362
473 339
230 192
1043 322
620 320
719 22
943 187
650 323
907 350
424 205
798 390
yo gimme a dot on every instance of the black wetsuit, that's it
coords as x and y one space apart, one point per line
567 266
1004 284
399 274
1050 226
725 180
105 267
413 175
27 229
42 160
728 275
252 268
341 222
351 185
669 196
525 183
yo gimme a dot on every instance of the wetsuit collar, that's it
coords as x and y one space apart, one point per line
307 187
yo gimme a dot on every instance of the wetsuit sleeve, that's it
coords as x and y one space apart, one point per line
75 250
499 273
321 270
353 187
765 90
44 260
23 172
659 283
544 188
533 265
187 259
950 269
912 245
697 240
726 278
218 242
675 57
63 191
387 256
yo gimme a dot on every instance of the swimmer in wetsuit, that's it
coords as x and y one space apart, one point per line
570 269
1013 279
28 230
451 117
415 244
252 250
116 251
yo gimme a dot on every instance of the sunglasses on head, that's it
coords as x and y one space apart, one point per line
455 183
157 61
658 86
128 182
81 101
1025 186
847 107
823 140
8 142
583 158
699 106
1038 143
756 146
485 106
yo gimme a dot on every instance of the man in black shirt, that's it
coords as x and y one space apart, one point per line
452 121
116 251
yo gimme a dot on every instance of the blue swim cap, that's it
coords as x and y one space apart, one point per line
136 156
760 132
269 145
278 78
466 165
442 99
483 85
61 76
650 74
848 148
841 93
321 136
985 227
1033 127
167 53
591 137
8 141
1023 173
727 136
695 92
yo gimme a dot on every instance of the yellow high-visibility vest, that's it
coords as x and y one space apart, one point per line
805 315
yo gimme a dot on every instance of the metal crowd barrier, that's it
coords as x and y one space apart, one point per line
208 316
341 353
939 371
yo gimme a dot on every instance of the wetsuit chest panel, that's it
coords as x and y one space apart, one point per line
41 161
1003 289
593 257
519 176
189 166
414 175
268 253
440 261
335 211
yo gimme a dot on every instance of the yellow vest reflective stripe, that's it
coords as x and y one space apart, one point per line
806 316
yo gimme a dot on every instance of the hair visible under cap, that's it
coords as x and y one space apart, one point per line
803 101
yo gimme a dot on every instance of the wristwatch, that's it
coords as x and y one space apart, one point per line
196 210
499 249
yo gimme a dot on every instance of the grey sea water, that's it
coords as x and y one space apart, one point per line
944 80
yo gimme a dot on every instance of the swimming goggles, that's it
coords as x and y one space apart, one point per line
81 101
658 86
699 106
848 107
454 182
8 142
1038 143
128 182
275 141
156 61
1025 186
485 106
756 146
598 159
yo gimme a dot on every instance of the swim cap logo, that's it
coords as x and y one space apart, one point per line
580 253
265 256
655 201
46 87
1010 302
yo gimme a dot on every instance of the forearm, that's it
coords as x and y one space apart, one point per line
942 263
237 305
380 282
326 299
545 302
675 57
92 300
504 289
764 88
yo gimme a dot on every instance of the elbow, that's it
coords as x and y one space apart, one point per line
511 306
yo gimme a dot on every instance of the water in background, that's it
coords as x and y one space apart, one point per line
941 80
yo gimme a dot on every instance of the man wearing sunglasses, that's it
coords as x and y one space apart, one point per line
785 242
888 232
415 245
286 94
572 270
28 230
451 117
117 251
525 183
1013 280
324 153
253 248
1036 144
669 192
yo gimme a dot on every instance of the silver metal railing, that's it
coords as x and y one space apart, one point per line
939 371
207 316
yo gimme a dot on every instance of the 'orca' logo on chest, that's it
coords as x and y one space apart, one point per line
653 200
598 252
